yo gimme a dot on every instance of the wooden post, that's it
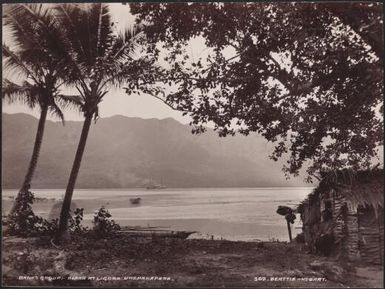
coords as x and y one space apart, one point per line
289 229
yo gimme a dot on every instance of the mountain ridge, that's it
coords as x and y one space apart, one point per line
125 152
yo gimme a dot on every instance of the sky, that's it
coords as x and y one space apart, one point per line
116 102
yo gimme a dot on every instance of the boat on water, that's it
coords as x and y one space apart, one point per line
135 200
155 186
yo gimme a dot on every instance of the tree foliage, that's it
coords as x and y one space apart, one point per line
306 76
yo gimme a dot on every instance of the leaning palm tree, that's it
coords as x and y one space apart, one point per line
33 37
101 58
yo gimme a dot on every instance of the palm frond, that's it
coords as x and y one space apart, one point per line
119 64
70 101
71 20
87 29
30 25
21 26
69 16
13 61
55 110
100 32
126 43
41 52
25 93
104 30
52 50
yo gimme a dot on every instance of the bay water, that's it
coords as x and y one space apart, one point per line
244 214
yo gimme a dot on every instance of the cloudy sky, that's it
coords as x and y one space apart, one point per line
116 101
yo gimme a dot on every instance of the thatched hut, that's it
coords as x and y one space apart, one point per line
344 215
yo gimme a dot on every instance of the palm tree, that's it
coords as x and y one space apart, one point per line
34 36
100 58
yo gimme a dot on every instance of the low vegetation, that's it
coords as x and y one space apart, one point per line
23 222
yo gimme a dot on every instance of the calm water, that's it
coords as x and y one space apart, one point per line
236 214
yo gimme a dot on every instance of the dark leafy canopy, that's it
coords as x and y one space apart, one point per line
307 76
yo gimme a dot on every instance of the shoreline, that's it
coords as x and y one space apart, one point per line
205 226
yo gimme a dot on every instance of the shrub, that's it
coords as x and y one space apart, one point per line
103 225
24 223
74 222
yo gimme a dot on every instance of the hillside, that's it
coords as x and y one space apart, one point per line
128 152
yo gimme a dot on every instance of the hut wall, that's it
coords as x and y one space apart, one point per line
351 243
346 227
338 217
371 230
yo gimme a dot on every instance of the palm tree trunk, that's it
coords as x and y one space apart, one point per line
63 234
34 157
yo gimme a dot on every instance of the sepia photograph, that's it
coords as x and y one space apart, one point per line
193 144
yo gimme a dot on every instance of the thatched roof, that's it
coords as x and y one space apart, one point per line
362 188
